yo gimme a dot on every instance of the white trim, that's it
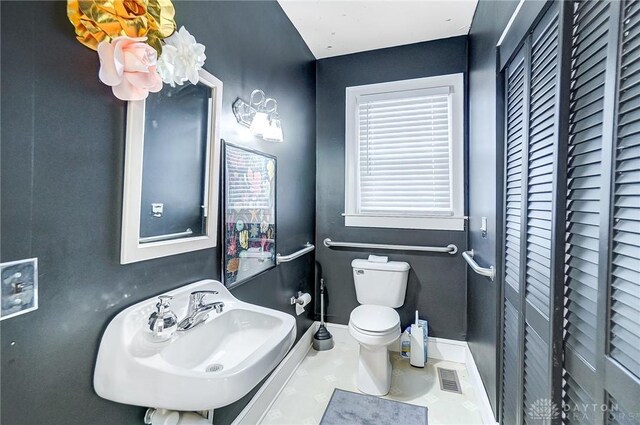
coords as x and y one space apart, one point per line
261 402
447 349
131 250
455 83
398 222
488 418
511 20
439 349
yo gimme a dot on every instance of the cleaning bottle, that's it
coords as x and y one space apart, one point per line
417 344
405 343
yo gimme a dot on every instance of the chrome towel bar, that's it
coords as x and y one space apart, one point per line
489 272
308 247
449 249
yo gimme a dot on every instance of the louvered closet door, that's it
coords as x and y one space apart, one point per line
585 184
624 344
602 278
531 139
572 218
541 155
515 131
621 363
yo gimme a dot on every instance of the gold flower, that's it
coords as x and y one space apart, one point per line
244 239
232 265
103 20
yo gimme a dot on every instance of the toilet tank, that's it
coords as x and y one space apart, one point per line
380 283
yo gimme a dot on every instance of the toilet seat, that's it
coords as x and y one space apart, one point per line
374 320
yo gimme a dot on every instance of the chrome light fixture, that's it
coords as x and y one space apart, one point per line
260 115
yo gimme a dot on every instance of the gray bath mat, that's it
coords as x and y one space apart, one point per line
347 408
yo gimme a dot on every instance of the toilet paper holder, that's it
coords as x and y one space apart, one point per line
300 301
296 299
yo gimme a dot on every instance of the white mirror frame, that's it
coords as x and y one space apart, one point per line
131 250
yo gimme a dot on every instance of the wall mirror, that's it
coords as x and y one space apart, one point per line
172 169
249 213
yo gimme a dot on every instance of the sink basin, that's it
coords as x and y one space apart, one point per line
209 366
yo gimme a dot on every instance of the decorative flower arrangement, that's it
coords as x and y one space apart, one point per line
137 44
128 65
181 58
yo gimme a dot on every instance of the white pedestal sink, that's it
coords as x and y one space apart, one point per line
209 366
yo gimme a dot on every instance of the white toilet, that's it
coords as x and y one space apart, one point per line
380 287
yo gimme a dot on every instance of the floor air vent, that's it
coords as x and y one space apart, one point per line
449 380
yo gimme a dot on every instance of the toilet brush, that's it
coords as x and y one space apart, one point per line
322 340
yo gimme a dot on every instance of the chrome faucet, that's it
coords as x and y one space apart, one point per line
198 310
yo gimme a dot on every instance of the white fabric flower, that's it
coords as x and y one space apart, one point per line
181 59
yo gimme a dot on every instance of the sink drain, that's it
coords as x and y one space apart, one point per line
216 367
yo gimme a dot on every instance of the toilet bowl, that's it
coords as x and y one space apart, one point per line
374 327
380 287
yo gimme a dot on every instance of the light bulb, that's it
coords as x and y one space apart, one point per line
259 124
274 132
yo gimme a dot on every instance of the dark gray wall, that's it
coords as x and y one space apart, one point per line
437 283
489 21
62 166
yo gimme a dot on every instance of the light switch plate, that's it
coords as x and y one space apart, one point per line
483 226
18 287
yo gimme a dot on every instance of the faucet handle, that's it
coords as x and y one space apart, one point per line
198 296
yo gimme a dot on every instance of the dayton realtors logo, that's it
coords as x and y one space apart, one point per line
544 410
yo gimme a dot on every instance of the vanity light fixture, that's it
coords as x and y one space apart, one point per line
260 115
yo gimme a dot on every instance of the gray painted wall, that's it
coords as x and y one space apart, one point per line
489 21
437 282
62 166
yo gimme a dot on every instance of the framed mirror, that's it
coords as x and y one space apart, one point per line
249 213
172 169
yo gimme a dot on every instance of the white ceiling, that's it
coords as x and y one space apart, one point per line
333 28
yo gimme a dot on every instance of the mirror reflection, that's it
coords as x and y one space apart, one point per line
174 163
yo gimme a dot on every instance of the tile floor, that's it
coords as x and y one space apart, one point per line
305 397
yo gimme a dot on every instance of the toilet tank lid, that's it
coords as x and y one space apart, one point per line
393 266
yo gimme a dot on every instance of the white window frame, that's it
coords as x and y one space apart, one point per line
455 84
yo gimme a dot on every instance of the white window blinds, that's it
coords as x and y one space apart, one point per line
404 153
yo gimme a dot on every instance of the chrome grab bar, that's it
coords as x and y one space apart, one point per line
308 247
449 249
489 272
187 232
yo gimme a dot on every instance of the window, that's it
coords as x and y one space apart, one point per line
404 154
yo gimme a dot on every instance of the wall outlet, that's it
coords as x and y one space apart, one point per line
18 287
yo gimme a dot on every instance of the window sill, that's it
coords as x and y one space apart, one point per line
425 223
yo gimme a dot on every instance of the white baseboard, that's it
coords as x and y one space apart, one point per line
261 402
338 326
447 349
476 381
439 349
